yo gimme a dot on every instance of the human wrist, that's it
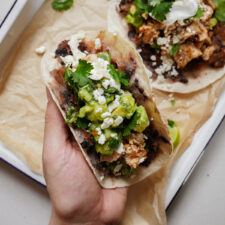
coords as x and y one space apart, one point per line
58 220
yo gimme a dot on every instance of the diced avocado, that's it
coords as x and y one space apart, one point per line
85 110
126 108
93 111
142 121
109 133
71 115
84 93
98 110
104 149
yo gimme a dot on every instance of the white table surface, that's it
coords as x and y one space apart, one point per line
200 202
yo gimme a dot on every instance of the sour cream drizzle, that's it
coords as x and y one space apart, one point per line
181 10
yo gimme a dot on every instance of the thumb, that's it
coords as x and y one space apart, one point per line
55 133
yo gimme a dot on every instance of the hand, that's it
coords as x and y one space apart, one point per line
75 193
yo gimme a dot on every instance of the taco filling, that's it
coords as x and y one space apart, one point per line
97 97
176 36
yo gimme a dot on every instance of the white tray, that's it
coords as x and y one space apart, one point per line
9 11
182 168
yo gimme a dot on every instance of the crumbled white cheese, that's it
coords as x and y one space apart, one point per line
118 120
98 95
163 40
181 10
74 44
102 139
120 149
174 72
102 100
98 44
99 130
98 92
106 114
112 83
114 104
153 58
68 60
100 69
166 65
113 135
40 50
105 83
102 178
107 123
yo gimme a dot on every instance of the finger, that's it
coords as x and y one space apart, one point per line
114 203
55 133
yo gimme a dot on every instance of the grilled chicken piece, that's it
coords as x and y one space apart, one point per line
135 152
148 33
186 53
197 30
210 3
207 12
208 52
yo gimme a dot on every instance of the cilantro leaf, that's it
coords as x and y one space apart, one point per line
127 171
154 2
82 123
199 13
119 77
174 49
80 75
171 123
143 5
161 10
220 9
111 90
60 5
114 143
132 124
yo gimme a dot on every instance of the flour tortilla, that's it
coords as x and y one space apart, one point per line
120 51
197 80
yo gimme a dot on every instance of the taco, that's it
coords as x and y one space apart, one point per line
182 42
100 85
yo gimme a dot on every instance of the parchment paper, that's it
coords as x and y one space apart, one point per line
23 104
